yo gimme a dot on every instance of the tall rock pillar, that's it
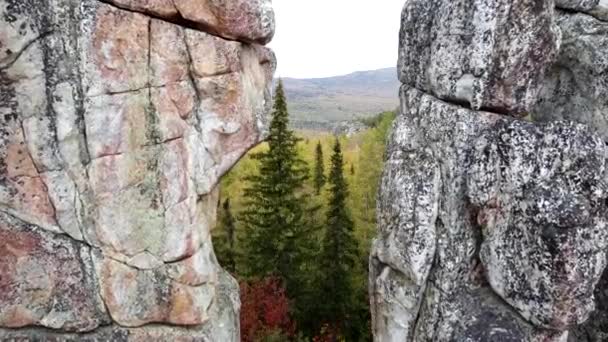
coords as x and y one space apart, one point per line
492 227
117 120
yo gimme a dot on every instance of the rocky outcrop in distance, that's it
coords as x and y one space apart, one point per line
118 118
493 227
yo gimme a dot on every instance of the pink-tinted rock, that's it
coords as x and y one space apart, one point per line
197 269
21 188
117 52
168 54
247 20
223 311
137 297
112 123
115 128
46 280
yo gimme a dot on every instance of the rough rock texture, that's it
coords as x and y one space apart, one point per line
576 87
596 8
540 194
115 127
492 228
577 5
465 206
246 20
487 54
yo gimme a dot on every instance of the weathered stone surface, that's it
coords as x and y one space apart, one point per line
223 326
596 328
491 55
137 297
402 256
491 321
541 193
247 20
46 280
577 5
597 8
463 221
600 11
115 128
576 87
492 228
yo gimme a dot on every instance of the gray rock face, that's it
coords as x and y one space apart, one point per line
576 87
577 5
596 8
458 229
487 54
492 228
540 194
117 120
596 328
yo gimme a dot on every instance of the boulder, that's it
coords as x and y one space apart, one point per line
577 5
489 55
540 193
486 222
245 20
117 120
223 312
576 87
492 227
596 8
46 280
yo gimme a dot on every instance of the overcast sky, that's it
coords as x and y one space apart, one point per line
320 38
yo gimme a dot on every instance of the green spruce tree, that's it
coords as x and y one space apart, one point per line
319 176
225 242
339 253
277 242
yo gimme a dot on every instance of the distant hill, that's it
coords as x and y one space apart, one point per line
341 98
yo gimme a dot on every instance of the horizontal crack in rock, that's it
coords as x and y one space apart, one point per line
179 20
8 61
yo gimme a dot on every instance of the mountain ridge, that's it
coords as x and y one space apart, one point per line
360 94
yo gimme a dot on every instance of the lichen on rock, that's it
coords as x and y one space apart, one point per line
117 120
493 228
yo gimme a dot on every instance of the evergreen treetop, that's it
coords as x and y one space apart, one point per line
319 176
274 214
225 242
339 249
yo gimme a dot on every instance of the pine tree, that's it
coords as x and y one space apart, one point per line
319 177
278 242
339 251
224 238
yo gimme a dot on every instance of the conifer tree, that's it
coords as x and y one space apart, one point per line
226 241
277 241
319 177
339 250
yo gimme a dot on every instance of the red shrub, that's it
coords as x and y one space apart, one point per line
264 310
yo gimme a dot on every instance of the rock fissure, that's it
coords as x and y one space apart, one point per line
193 83
176 19
108 213
8 61
521 204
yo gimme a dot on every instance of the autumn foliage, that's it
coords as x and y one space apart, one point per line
265 310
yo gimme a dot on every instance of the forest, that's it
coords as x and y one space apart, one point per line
296 220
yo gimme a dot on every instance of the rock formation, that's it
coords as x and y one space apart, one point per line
492 227
118 117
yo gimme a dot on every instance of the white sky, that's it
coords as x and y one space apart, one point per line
320 38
